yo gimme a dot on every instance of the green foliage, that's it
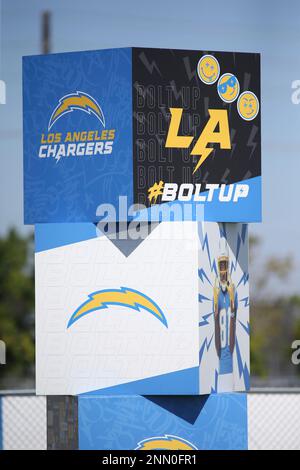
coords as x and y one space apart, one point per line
17 305
274 316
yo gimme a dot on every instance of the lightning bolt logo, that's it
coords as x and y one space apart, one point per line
218 118
216 131
150 66
124 297
251 142
166 442
80 101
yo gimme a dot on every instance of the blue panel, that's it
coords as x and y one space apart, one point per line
181 406
183 382
88 91
48 236
124 423
246 209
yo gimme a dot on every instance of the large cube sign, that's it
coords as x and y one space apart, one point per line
142 133
165 316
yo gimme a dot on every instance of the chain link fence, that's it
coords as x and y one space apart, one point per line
23 422
274 420
31 422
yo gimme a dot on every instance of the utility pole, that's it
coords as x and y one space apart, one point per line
46 32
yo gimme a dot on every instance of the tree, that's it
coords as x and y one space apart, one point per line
274 315
17 307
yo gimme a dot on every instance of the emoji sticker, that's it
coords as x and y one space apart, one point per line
228 87
248 105
208 69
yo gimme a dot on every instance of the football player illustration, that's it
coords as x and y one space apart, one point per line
225 310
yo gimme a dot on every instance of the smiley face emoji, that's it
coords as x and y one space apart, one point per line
208 69
248 105
228 87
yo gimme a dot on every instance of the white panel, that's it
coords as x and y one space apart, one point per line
116 345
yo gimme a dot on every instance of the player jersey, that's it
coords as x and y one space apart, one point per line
226 362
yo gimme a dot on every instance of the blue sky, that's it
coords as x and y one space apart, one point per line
273 30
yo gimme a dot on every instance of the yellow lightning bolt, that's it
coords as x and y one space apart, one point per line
209 135
166 443
78 100
123 297
205 153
